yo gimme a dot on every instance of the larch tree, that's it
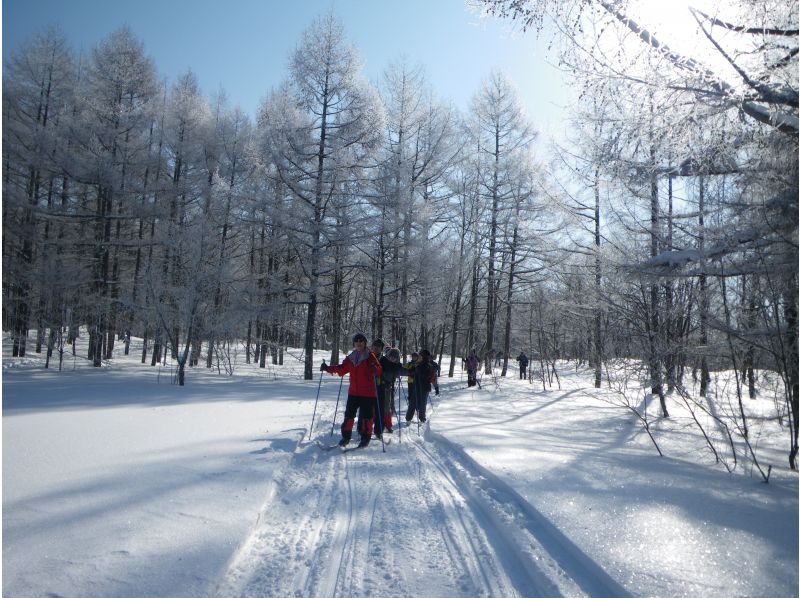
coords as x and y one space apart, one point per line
39 82
179 279
119 88
232 137
501 130
332 127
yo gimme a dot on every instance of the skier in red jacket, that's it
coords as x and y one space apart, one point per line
363 367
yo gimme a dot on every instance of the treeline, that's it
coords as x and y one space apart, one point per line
135 206
665 233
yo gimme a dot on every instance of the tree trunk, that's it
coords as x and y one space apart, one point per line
510 290
669 324
491 299
790 314
655 331
705 378
316 234
597 356
473 307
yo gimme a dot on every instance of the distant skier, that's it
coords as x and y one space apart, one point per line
363 367
523 365
472 369
424 379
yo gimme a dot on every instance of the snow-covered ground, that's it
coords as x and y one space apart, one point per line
118 483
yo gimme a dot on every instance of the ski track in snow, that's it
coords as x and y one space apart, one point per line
421 518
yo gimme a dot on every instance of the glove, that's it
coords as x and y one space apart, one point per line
323 367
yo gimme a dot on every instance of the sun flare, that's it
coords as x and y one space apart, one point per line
668 19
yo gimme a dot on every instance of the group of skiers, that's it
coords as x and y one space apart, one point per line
370 395
374 372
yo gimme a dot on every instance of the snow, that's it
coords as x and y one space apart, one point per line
118 483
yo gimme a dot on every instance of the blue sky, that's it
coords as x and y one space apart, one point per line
243 45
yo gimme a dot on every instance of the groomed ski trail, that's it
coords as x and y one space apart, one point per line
420 519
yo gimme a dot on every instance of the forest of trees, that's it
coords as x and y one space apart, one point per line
664 232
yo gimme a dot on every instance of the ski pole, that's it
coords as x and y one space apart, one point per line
378 402
314 415
416 391
377 415
336 409
400 396
399 407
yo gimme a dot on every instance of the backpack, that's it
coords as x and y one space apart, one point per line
423 376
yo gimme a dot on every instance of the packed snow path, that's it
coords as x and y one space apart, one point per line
421 518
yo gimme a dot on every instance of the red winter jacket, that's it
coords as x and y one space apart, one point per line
362 372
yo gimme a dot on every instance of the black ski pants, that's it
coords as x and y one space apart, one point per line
364 407
471 377
417 401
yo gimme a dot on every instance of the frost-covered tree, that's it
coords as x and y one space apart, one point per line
422 143
179 279
229 166
38 85
466 210
406 95
320 127
501 132
118 91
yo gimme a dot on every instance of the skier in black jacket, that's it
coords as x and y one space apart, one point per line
424 379
523 365
392 369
